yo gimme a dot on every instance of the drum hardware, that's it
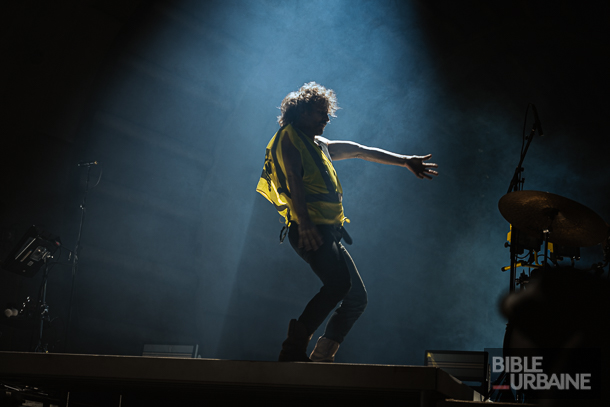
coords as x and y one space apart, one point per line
522 264
558 252
522 242
531 263
523 279
564 225
567 222
517 242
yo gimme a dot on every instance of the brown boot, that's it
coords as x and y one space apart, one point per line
325 350
294 348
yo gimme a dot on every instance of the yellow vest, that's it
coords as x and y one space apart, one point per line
322 187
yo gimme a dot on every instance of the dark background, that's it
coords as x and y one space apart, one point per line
177 101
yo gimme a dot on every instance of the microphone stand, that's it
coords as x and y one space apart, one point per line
75 254
43 309
516 184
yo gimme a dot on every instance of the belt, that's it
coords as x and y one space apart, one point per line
339 229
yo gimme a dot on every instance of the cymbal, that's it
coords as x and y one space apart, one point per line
570 223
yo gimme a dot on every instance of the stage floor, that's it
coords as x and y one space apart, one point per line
137 380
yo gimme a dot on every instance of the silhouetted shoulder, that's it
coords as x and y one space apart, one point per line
322 140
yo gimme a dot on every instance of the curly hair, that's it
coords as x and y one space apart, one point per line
310 94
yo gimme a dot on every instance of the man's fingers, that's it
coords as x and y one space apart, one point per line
312 245
310 240
306 243
315 240
319 240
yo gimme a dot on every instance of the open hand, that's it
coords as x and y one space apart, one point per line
309 236
417 166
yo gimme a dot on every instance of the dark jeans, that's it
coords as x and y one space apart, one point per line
342 284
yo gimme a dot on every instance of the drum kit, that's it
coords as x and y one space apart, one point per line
558 306
559 222
535 217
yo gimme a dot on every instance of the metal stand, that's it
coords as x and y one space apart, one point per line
76 253
516 184
43 308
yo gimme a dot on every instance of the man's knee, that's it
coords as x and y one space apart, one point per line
360 302
338 290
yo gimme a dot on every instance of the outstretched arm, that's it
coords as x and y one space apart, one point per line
342 150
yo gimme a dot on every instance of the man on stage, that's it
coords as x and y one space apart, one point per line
300 180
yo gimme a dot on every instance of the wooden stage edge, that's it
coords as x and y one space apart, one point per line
210 379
